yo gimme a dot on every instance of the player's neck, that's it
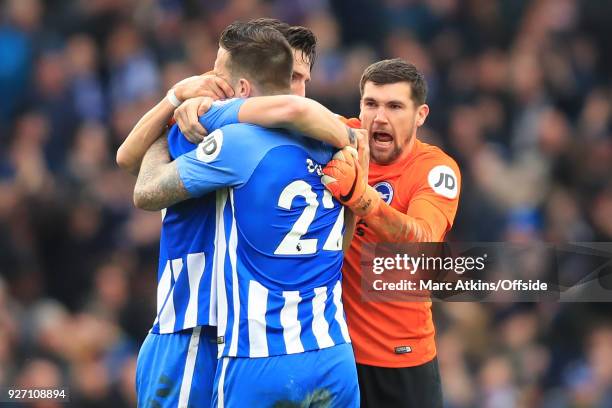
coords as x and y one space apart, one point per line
269 91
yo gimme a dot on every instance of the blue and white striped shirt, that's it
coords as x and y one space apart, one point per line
278 284
186 289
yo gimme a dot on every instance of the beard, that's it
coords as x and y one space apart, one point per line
387 156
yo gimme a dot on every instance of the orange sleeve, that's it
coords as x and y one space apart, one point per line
431 210
438 188
352 122
426 224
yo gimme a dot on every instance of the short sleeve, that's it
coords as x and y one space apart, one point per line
221 113
178 143
225 158
439 185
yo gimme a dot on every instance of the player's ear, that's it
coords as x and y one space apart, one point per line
422 112
244 88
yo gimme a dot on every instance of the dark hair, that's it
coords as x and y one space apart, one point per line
260 54
299 38
395 70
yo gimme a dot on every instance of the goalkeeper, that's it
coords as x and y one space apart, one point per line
410 195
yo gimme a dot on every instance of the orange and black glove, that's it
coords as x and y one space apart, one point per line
346 181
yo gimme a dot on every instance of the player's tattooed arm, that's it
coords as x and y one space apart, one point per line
158 185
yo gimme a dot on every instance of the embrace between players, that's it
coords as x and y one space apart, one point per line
251 294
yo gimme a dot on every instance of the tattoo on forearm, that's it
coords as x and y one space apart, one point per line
156 156
158 185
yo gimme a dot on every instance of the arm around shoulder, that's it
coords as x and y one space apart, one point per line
298 114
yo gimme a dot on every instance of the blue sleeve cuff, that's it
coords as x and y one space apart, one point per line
183 171
222 113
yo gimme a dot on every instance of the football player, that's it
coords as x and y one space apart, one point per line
411 194
178 367
279 241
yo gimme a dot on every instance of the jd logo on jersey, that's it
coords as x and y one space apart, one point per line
385 190
442 180
209 148
447 179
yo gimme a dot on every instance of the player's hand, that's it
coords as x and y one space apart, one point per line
363 150
207 84
348 183
187 117
343 176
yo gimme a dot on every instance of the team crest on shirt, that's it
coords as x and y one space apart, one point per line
209 148
385 189
443 180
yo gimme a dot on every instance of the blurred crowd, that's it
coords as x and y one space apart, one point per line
520 95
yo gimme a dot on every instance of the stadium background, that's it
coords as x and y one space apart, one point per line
520 97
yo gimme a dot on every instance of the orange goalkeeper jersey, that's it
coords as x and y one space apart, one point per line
424 183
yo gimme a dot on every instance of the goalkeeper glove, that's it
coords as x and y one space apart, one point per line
346 181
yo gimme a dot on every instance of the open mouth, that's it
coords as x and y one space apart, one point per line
382 139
